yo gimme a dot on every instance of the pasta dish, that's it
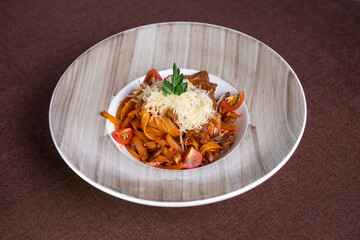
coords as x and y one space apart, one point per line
176 123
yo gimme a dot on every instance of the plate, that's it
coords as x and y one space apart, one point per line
221 89
273 93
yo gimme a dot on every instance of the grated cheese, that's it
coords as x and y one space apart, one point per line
193 108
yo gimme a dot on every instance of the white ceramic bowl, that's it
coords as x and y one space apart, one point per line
274 97
221 89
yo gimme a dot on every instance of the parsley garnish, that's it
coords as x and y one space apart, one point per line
177 87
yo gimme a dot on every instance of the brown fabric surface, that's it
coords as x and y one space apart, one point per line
316 195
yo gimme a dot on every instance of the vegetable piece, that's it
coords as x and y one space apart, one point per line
192 142
131 151
177 86
167 88
152 77
232 114
140 148
219 108
132 146
192 158
233 102
228 127
151 145
208 146
167 152
123 136
177 158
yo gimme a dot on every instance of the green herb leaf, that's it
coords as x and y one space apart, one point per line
177 86
180 88
185 85
167 87
177 77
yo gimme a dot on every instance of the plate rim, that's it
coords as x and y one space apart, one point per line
181 203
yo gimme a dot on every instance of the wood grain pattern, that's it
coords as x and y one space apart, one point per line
274 97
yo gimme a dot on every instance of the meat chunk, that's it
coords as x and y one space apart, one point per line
201 80
209 156
216 153
227 139
155 155
229 119
199 135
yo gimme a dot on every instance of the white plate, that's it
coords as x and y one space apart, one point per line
273 93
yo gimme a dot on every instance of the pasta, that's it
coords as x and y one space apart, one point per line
160 134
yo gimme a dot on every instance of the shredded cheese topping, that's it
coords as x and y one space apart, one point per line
194 108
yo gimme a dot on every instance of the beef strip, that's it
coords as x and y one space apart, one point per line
155 155
216 153
228 119
201 80
199 135
227 139
209 156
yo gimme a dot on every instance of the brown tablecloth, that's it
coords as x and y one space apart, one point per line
316 195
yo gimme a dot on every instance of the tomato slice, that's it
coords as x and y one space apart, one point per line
233 102
123 135
152 76
192 158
